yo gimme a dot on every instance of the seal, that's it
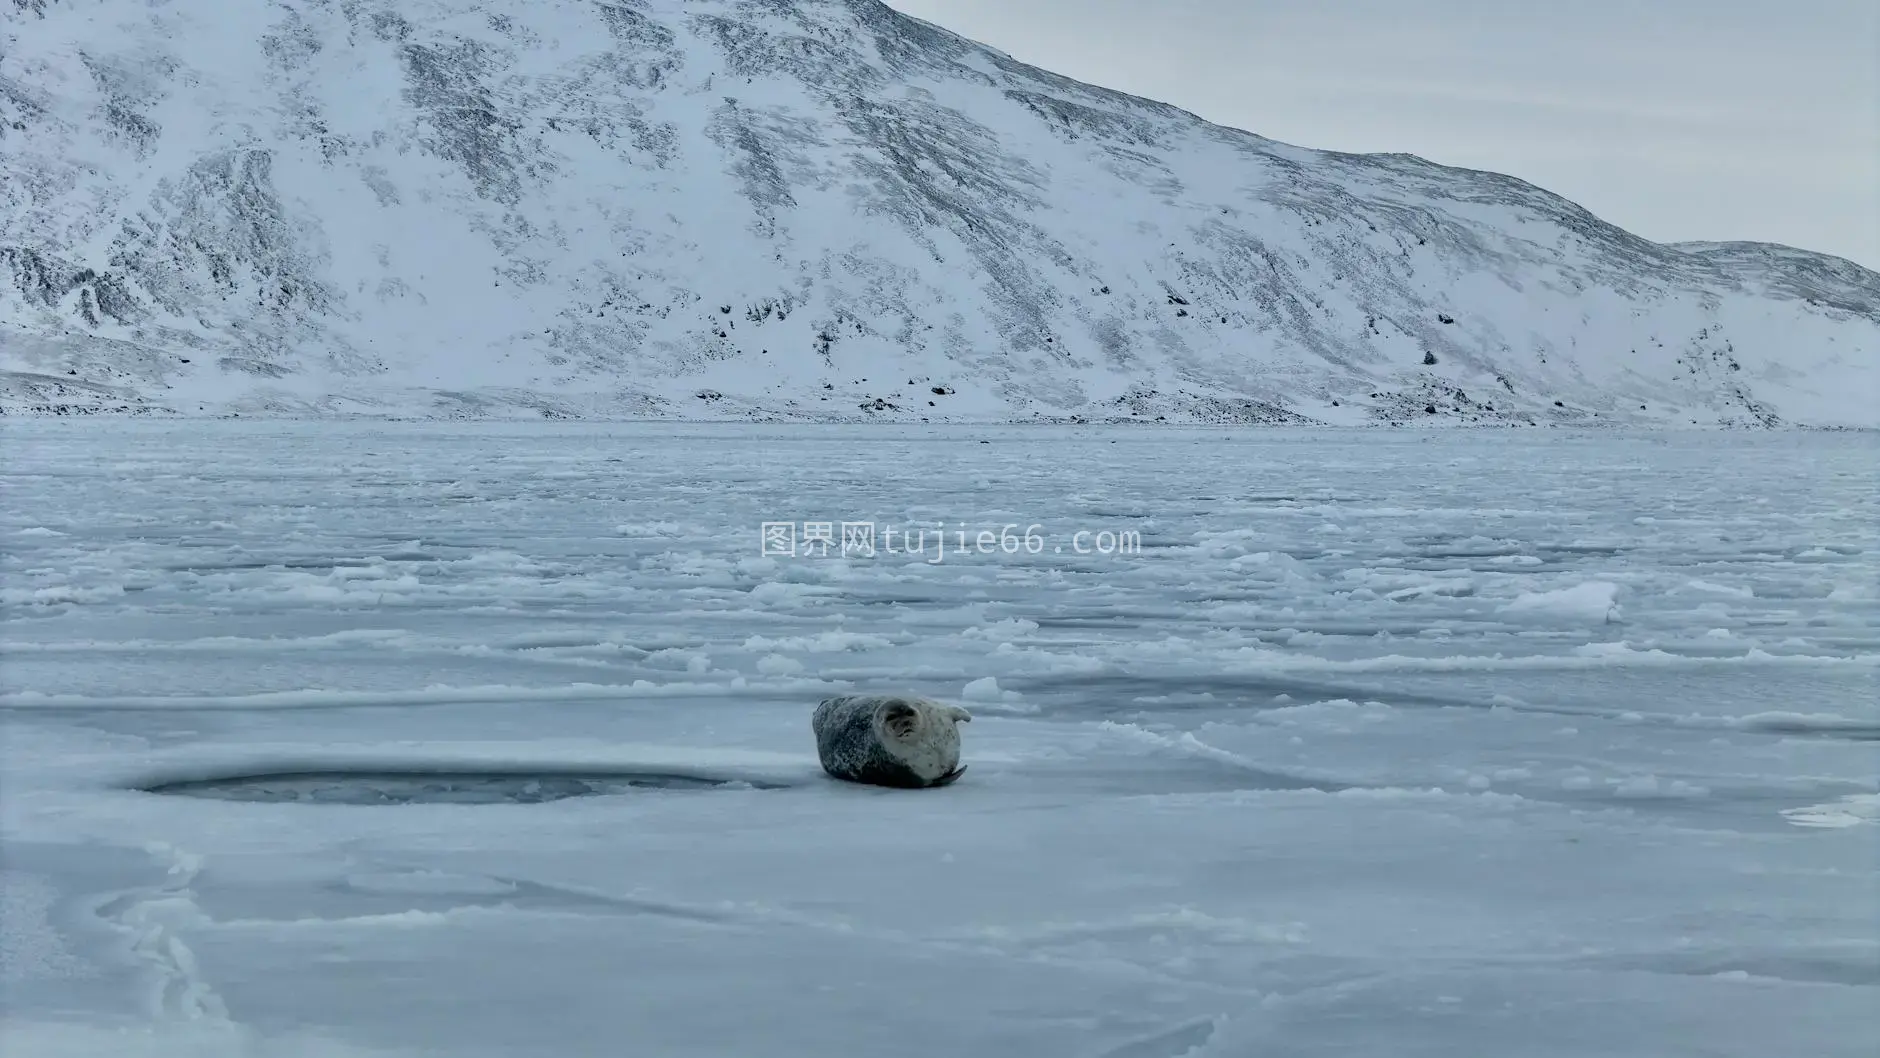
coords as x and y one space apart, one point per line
902 741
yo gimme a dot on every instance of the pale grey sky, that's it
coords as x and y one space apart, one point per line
1675 119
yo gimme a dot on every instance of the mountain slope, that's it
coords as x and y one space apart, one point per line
819 208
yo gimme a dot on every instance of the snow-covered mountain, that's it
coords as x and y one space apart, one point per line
815 208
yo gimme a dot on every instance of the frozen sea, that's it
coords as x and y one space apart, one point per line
493 740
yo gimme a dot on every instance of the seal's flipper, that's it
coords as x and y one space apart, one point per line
947 779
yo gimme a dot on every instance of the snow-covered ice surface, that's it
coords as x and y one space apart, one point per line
1384 744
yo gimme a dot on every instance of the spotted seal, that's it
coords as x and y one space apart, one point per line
903 741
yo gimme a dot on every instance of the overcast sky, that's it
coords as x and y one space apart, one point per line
1675 119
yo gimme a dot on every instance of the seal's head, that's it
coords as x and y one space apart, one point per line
899 720
920 734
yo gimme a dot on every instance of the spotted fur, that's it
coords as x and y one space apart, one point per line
889 740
